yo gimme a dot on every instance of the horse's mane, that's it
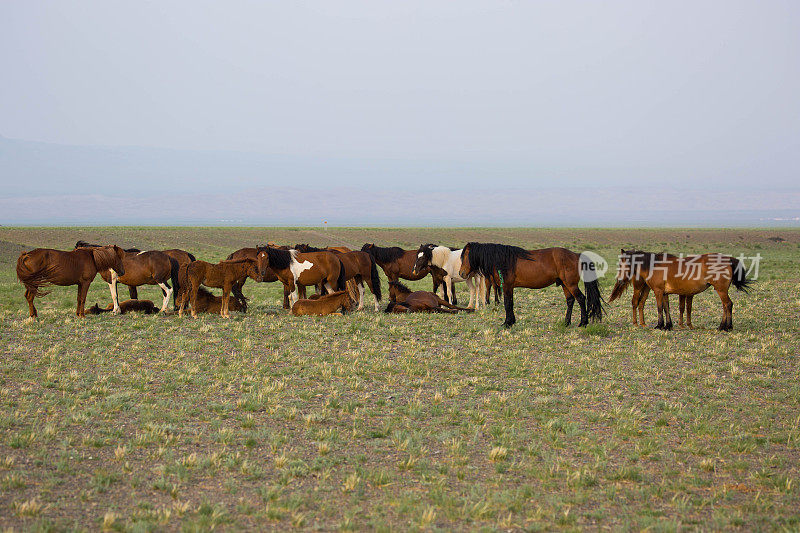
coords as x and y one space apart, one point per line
400 287
84 244
278 259
305 248
488 258
646 259
384 255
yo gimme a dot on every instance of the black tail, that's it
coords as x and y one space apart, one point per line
594 301
739 276
376 280
176 284
340 281
191 257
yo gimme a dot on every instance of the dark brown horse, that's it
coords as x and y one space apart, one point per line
43 266
667 274
128 306
338 301
222 275
358 266
297 269
398 263
403 300
534 269
141 268
268 276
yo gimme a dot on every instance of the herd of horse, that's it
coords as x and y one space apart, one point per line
341 277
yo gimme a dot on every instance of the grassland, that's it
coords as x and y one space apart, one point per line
382 422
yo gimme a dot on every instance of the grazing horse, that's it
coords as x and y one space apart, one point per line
449 260
141 268
128 306
222 275
358 266
324 304
667 274
43 266
403 300
534 269
268 276
398 263
298 270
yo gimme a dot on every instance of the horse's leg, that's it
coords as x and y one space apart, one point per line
193 296
301 291
133 292
570 304
689 311
167 295
452 287
487 289
576 292
29 295
472 293
361 296
508 301
668 323
83 290
635 303
114 295
226 297
727 307
642 299
660 306
294 290
236 289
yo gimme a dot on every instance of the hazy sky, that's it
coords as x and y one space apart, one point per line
694 93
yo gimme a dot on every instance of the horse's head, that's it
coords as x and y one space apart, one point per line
368 247
254 272
466 266
262 261
424 256
624 273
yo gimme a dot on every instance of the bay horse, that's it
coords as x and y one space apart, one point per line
267 276
298 270
534 269
667 274
324 305
128 306
403 300
358 266
141 268
208 303
221 275
43 266
449 260
397 263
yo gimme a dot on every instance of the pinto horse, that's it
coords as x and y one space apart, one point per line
43 266
268 276
141 268
222 275
449 260
397 263
403 300
534 269
667 274
297 270
358 266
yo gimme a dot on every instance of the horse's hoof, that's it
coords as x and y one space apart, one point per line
668 327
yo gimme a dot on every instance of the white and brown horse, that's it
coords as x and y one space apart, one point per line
297 269
358 266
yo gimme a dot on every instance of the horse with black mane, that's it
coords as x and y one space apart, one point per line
298 270
667 274
141 268
44 266
358 266
397 263
534 269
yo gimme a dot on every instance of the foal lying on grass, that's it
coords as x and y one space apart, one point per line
208 303
128 306
324 305
405 301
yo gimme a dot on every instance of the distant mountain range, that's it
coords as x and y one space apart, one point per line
52 184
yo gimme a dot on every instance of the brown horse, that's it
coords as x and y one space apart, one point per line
141 268
208 303
534 269
667 274
296 269
403 300
398 263
43 266
358 266
128 306
268 276
324 304
222 275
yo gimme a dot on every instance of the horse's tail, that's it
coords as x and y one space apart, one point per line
594 300
739 276
619 288
376 280
33 280
174 273
340 281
